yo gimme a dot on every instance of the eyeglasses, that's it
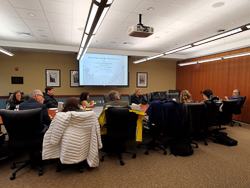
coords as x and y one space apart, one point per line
40 95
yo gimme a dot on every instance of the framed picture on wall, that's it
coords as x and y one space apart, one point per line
53 77
74 78
142 79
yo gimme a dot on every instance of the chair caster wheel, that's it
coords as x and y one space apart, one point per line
165 153
58 170
81 170
122 163
146 152
40 173
13 166
12 177
134 156
102 159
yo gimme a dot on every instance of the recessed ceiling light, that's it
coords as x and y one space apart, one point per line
43 35
40 30
46 40
80 29
232 23
112 42
32 15
150 8
220 4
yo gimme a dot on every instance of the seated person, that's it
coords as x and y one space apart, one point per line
49 99
73 104
36 101
137 98
235 96
15 100
208 95
83 100
115 100
186 97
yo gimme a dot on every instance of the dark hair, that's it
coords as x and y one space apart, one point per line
83 96
13 98
208 92
48 88
72 104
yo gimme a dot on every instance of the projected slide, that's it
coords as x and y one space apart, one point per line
103 70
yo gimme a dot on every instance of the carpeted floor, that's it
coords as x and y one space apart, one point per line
214 165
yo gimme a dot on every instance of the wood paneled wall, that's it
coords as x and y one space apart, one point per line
222 77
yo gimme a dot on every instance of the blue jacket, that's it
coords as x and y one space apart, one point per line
33 104
235 98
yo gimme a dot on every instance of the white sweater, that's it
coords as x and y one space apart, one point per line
73 137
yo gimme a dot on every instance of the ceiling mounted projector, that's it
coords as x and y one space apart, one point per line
140 30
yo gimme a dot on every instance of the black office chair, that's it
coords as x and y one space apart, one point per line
173 91
129 98
121 126
225 117
24 128
148 96
173 96
237 110
193 121
106 98
159 95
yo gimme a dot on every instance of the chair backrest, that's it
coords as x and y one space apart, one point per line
237 110
148 95
173 91
22 126
212 112
225 117
159 95
106 98
26 97
173 96
193 118
129 98
120 123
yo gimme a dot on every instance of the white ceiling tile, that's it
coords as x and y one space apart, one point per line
24 13
159 22
36 23
106 24
196 15
5 3
174 12
61 18
11 20
209 5
8 11
115 15
26 4
60 26
60 33
40 30
190 3
180 24
81 10
127 5
57 7
18 28
245 15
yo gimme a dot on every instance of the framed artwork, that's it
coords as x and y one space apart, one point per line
53 77
142 79
74 78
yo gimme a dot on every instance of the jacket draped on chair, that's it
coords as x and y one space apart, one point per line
73 137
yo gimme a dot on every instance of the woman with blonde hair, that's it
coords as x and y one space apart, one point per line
186 97
137 98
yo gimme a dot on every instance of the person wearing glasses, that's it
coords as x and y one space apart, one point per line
235 96
15 100
36 101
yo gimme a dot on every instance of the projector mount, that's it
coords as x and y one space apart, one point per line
145 27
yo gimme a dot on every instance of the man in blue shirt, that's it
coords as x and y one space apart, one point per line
235 96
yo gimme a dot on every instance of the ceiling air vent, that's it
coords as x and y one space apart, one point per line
24 34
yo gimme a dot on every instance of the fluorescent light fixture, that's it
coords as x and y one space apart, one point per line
218 36
248 26
85 36
208 60
139 61
91 18
178 49
98 10
189 63
153 57
236 55
100 20
6 52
